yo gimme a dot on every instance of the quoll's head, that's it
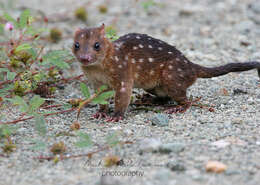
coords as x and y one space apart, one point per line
90 45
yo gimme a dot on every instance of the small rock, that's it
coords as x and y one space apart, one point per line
251 101
171 147
239 91
176 166
220 143
163 175
215 166
107 179
244 26
254 11
255 6
149 145
161 120
236 121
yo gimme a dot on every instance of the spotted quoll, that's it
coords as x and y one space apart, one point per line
140 61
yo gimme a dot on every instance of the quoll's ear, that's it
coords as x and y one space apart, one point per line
78 30
102 29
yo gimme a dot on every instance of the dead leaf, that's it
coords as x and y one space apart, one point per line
215 166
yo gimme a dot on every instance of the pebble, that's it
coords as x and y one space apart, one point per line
176 166
160 120
220 143
149 145
171 147
244 26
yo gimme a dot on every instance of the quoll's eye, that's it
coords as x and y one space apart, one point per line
97 46
76 46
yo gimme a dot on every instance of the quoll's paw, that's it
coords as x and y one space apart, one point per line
178 109
99 115
115 118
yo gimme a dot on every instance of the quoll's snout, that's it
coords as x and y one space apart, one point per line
85 58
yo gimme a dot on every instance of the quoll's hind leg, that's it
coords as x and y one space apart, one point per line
180 97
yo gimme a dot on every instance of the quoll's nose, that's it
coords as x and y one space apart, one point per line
85 57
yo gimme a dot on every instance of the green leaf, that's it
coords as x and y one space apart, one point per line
57 58
10 19
112 139
17 100
24 18
101 89
38 145
84 90
1 28
11 75
33 31
23 47
4 70
40 125
7 130
101 99
84 141
36 102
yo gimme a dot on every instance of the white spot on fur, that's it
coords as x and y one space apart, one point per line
170 52
169 76
179 69
122 83
112 70
141 60
140 46
91 33
160 48
133 61
150 46
181 75
149 38
170 66
135 48
186 61
139 67
162 65
120 66
122 90
136 75
82 36
150 59
138 37
152 72
128 36
116 58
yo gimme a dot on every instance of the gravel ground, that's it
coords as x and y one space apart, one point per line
208 32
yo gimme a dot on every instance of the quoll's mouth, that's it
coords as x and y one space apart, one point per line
85 59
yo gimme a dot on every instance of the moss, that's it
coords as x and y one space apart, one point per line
81 14
23 56
58 148
102 9
55 35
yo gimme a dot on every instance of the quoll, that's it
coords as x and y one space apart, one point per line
140 61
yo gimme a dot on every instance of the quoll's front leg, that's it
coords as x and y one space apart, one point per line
122 100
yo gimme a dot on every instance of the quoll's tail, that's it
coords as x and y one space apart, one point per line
206 72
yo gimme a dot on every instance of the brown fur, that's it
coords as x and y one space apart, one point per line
138 60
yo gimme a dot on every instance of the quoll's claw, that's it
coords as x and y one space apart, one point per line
178 109
114 119
99 115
